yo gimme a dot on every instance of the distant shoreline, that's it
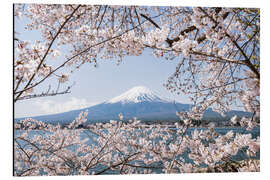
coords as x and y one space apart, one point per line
144 126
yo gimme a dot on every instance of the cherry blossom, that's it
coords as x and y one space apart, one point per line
218 50
45 149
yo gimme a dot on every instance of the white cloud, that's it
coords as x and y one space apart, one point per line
43 107
51 107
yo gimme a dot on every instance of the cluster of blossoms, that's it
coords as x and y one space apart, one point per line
219 67
250 97
27 60
248 123
219 60
86 32
127 147
157 37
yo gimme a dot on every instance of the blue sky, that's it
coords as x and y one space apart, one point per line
95 85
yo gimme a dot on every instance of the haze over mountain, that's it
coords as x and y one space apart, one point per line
139 102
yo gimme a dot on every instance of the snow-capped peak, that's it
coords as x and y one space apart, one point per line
137 94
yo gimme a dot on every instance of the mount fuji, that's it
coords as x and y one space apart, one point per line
139 102
138 94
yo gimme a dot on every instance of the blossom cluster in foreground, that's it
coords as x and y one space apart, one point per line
128 147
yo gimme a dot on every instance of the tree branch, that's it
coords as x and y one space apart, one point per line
46 53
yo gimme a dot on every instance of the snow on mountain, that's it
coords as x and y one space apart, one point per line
136 95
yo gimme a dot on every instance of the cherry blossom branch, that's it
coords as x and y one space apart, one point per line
117 164
67 91
102 148
219 59
183 32
102 17
145 167
76 55
247 60
139 21
46 53
223 85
